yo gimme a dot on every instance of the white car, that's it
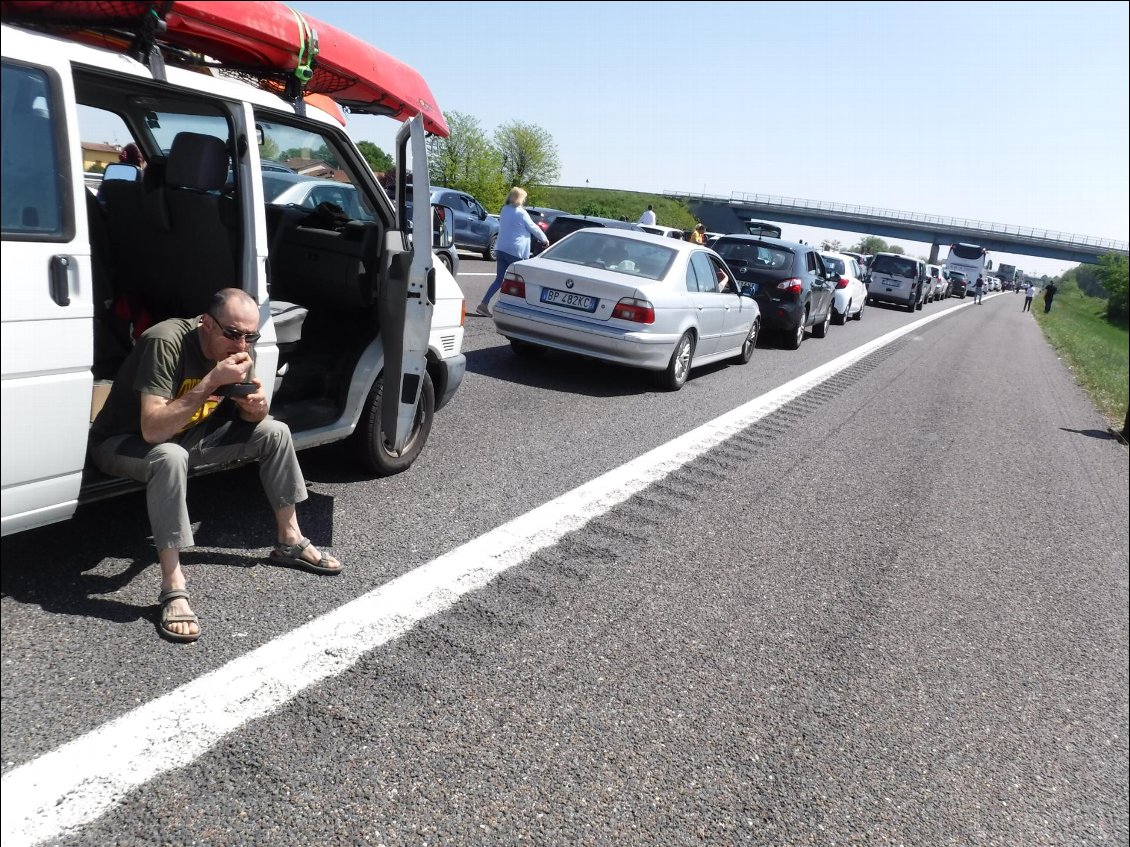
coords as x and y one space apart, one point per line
642 300
941 283
851 293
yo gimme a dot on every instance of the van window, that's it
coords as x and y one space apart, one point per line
30 200
895 266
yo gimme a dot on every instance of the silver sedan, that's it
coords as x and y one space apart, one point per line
628 297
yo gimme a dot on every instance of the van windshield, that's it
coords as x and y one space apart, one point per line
894 266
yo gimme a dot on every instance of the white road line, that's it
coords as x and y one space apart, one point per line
75 784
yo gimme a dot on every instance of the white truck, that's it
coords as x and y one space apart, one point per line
361 334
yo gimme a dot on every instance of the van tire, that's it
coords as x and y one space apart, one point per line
368 441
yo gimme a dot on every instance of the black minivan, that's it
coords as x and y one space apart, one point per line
794 288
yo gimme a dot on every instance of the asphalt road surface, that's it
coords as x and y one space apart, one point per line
883 605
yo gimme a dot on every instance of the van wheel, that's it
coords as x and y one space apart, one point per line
680 365
445 260
368 440
489 254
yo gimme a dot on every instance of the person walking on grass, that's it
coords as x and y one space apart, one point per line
1049 294
514 230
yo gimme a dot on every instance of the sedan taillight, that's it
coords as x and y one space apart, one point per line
792 285
637 311
514 285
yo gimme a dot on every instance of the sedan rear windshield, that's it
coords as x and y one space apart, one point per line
894 266
835 265
596 249
756 256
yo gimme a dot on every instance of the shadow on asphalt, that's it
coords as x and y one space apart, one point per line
556 370
63 567
1101 434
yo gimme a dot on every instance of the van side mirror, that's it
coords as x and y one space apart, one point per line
122 172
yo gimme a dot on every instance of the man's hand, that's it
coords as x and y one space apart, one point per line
252 408
232 369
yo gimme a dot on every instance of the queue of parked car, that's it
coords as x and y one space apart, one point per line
619 292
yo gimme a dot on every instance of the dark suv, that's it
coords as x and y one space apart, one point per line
793 287
564 224
474 228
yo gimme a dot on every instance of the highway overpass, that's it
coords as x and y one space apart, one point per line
730 214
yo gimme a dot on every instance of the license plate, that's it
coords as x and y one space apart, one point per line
569 299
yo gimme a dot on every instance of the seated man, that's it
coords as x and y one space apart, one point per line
167 414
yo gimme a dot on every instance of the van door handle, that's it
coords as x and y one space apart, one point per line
61 280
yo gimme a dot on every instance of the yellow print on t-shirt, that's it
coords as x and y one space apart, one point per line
204 411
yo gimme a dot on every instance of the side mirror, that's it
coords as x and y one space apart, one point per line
443 222
123 172
749 289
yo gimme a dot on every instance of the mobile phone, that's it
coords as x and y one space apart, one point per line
239 389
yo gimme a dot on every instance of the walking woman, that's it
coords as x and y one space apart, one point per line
514 230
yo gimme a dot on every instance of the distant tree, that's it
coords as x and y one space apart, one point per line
870 245
529 156
467 161
894 248
379 161
269 149
1112 272
833 246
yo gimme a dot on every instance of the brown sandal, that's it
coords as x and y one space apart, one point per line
164 599
291 554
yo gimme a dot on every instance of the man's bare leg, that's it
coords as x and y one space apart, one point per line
172 578
289 533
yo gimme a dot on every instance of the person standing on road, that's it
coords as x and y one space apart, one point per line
979 289
1049 294
170 410
514 230
1029 293
648 217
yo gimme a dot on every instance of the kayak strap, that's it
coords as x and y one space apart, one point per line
306 53
144 47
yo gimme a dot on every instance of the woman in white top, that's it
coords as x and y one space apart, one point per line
514 230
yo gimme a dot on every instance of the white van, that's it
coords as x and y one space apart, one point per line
346 306
898 279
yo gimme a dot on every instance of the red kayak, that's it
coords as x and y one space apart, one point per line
265 37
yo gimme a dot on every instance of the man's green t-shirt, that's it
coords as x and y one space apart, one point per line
167 361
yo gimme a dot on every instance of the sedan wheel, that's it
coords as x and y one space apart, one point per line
798 335
859 314
750 342
680 365
822 329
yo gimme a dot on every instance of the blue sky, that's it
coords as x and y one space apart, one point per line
1013 113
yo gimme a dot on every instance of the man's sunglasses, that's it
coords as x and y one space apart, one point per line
233 334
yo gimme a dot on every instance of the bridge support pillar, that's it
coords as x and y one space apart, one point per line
934 253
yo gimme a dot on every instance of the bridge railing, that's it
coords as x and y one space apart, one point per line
793 203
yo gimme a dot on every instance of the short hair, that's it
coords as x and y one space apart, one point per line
225 295
516 197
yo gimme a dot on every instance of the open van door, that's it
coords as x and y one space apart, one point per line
47 314
406 299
